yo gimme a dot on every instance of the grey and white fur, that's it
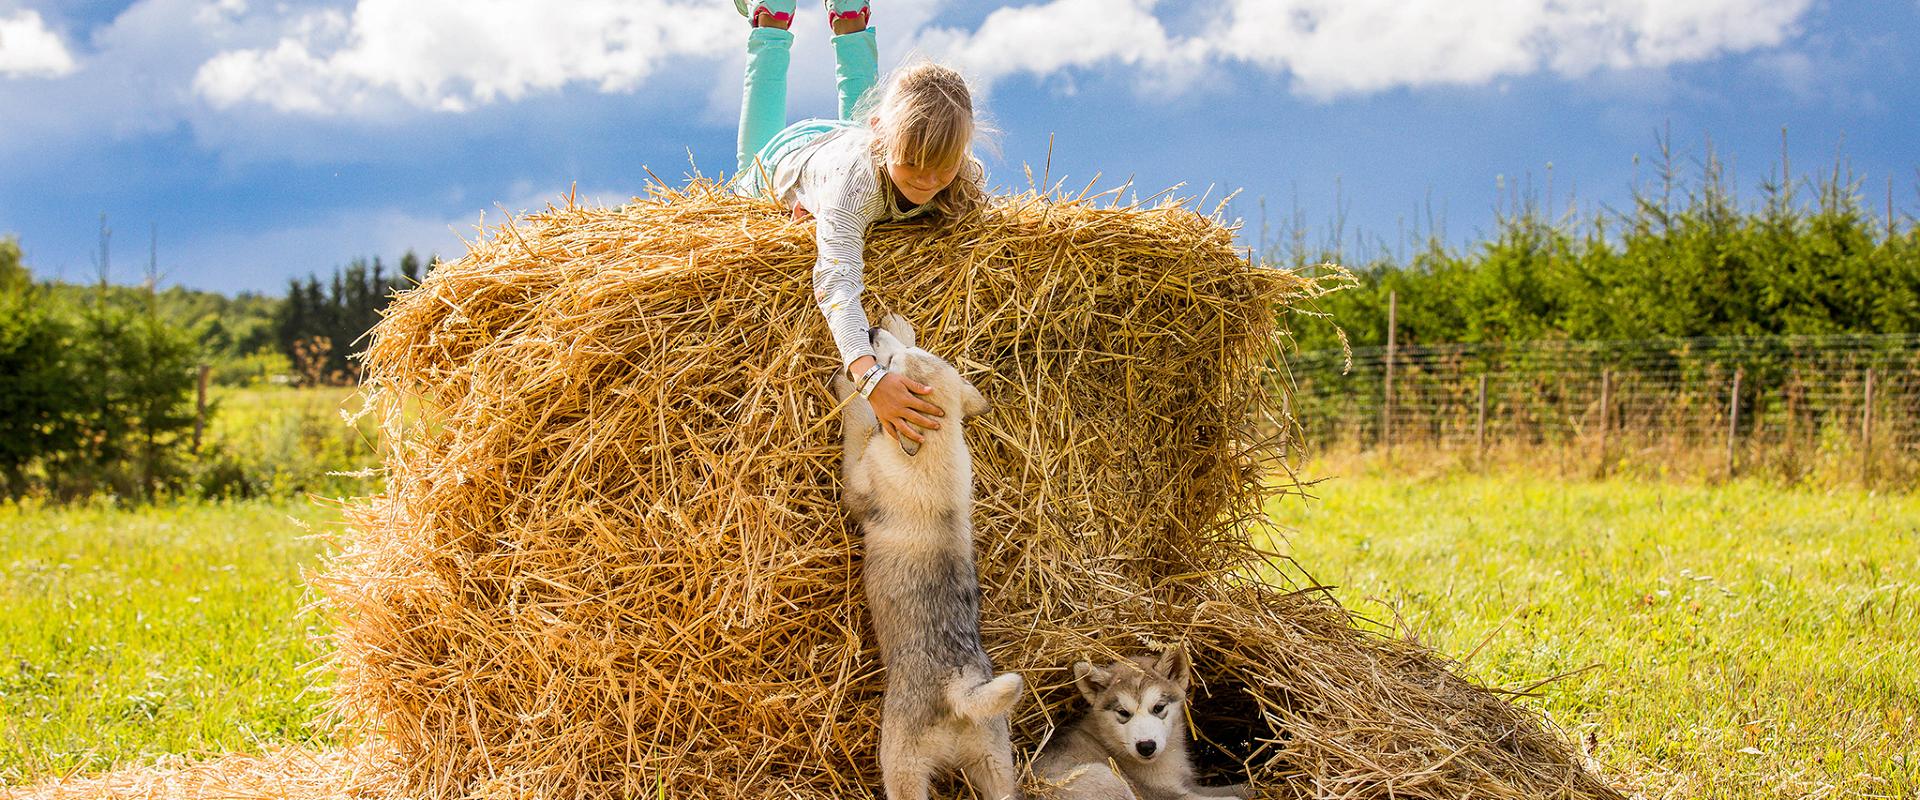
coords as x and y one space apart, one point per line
945 708
1132 742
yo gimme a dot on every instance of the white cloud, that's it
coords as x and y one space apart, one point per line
135 80
1331 48
453 55
296 78
1050 37
28 49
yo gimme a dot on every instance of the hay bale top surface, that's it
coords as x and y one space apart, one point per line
611 556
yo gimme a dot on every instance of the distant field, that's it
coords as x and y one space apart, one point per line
1737 641
281 442
1734 641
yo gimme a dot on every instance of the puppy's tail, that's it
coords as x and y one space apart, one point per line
984 700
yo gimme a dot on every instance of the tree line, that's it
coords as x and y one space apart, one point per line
98 381
318 323
303 338
1687 258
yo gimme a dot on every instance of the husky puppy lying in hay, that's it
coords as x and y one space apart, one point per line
1132 743
944 707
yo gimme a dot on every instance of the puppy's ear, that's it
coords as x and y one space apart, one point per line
897 325
909 446
972 403
884 343
1174 665
1091 680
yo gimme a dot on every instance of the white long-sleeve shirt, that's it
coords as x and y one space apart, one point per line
835 179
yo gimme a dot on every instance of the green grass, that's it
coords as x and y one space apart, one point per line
1730 641
168 629
1738 641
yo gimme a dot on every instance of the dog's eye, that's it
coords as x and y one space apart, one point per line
1123 714
1160 710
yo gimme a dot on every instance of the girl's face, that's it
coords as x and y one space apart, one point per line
920 184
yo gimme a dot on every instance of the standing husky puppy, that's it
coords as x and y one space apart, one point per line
1133 742
944 707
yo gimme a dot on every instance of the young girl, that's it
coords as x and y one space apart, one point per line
910 157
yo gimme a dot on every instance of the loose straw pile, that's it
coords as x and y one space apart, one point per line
611 561
286 772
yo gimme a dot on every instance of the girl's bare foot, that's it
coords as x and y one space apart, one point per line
843 26
848 16
767 13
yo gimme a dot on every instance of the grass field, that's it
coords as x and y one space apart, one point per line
1729 641
170 629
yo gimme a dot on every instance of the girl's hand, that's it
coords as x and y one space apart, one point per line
897 404
800 213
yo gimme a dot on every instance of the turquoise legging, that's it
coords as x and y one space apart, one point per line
764 132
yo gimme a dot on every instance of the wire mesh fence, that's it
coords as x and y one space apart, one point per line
1784 402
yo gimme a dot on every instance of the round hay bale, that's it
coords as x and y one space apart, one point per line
611 560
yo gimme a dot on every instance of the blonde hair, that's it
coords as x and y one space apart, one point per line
925 118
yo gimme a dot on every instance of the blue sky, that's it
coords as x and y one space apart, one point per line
265 140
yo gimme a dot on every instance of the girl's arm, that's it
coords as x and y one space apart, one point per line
842 213
839 236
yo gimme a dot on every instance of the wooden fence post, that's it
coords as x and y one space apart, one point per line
1480 420
1606 412
1733 420
1792 395
1866 431
1386 407
200 408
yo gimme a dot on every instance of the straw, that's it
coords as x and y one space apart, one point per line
611 560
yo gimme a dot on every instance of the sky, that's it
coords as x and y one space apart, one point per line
250 142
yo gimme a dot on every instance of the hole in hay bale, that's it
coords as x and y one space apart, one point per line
1228 730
